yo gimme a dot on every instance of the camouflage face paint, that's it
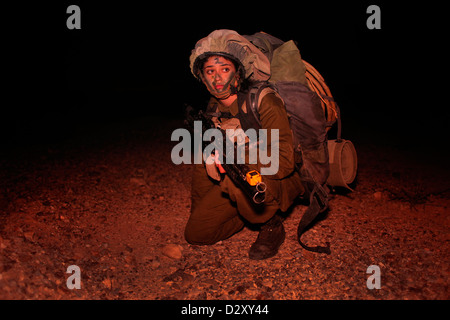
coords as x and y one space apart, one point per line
221 88
219 76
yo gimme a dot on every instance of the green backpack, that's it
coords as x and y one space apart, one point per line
312 112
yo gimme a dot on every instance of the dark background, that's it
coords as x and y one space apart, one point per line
131 59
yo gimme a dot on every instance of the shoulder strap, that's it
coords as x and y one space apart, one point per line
251 97
255 94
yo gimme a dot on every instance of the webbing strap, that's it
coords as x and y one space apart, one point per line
318 203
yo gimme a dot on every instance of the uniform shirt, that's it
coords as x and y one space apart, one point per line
285 185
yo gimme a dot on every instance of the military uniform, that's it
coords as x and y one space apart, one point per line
219 209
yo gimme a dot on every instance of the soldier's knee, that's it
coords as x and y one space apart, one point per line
194 235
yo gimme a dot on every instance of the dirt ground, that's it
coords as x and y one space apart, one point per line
110 201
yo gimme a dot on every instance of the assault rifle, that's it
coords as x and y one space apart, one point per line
249 181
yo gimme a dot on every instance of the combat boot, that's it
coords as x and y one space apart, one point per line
270 238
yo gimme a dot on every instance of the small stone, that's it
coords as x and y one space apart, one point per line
108 283
267 283
155 264
29 235
172 251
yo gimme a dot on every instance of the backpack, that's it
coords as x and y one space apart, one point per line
312 111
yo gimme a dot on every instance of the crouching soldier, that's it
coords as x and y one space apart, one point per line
226 63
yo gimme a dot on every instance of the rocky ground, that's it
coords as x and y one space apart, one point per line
110 201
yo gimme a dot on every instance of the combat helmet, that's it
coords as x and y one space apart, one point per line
251 63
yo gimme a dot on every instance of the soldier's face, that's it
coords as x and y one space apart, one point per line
219 76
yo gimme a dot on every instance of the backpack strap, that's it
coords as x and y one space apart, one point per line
318 203
249 117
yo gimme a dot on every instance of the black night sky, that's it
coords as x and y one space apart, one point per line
130 59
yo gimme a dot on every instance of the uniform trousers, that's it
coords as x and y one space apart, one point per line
219 210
